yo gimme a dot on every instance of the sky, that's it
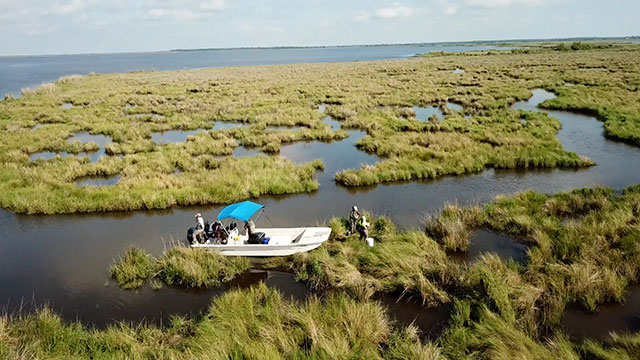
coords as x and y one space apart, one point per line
30 27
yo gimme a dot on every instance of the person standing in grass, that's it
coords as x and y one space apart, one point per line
354 216
363 228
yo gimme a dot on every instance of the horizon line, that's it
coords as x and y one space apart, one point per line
462 42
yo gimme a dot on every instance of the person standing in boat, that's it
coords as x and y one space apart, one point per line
354 216
250 227
199 232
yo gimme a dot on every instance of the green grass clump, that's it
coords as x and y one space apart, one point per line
195 268
402 262
180 266
133 268
479 333
453 225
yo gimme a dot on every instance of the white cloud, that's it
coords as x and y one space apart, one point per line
503 3
174 14
155 14
181 10
69 7
397 10
451 10
213 5
361 15
254 29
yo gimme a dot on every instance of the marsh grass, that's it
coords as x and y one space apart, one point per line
184 266
585 246
256 323
407 263
132 269
375 97
453 225
583 250
177 266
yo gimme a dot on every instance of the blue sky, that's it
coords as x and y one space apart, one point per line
89 26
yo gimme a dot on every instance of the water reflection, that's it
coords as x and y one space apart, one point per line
424 113
333 123
484 241
454 106
173 136
242 151
611 317
430 321
221 125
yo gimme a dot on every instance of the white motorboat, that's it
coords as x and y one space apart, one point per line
227 240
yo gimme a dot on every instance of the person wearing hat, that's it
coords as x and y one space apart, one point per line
199 232
354 216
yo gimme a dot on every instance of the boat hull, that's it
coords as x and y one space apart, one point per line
284 242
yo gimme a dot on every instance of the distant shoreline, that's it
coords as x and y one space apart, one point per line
441 43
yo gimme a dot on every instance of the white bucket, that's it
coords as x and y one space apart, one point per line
370 242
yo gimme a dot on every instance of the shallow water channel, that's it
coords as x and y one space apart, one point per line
484 241
63 260
83 137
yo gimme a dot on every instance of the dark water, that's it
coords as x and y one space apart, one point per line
18 72
63 259
430 321
608 318
484 241
336 155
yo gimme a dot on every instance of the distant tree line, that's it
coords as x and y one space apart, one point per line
578 45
